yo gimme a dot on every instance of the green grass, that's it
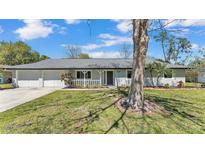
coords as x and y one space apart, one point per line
192 85
6 86
92 112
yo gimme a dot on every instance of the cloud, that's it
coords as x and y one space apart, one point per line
107 40
195 46
104 54
62 30
34 29
1 30
72 21
91 46
185 23
123 25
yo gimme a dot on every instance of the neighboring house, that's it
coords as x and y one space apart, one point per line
201 76
86 72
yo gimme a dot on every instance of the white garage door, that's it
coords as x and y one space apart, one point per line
29 78
52 79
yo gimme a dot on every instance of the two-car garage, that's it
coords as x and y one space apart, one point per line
38 78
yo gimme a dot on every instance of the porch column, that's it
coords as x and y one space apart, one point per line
100 72
84 72
42 78
17 78
126 78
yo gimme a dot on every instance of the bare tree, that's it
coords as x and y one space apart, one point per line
140 42
125 50
73 51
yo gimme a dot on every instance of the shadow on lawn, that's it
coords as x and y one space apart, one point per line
175 107
147 123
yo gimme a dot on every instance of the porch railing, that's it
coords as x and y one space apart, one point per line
122 81
86 83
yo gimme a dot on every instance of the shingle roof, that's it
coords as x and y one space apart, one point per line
93 63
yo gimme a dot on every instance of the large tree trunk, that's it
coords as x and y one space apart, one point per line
140 41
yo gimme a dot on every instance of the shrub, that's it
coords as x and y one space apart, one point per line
203 85
166 85
180 84
67 78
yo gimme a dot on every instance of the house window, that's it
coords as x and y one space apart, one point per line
80 75
129 74
168 74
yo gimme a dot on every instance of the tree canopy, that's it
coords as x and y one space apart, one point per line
175 49
15 53
84 56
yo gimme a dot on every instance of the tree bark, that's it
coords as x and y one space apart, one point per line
140 43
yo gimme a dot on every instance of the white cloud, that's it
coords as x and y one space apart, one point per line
123 25
91 46
34 29
107 40
185 23
103 54
195 46
1 30
62 30
72 21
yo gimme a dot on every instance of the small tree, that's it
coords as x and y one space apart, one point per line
160 70
150 68
157 69
73 51
125 51
84 56
175 49
67 78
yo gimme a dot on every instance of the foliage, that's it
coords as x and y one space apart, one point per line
196 66
191 75
14 53
180 84
174 48
84 56
157 69
150 68
92 112
125 51
203 85
73 51
67 78
166 85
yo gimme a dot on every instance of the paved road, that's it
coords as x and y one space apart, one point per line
13 97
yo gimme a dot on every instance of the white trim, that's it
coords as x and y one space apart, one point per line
82 71
127 73
17 75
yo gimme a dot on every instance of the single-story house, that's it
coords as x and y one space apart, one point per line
201 76
86 72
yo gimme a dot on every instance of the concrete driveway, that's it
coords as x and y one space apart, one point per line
14 97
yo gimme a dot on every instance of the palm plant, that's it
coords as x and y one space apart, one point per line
160 70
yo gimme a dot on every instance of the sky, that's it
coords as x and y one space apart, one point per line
98 38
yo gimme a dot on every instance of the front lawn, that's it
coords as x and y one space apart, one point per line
93 112
192 85
6 86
